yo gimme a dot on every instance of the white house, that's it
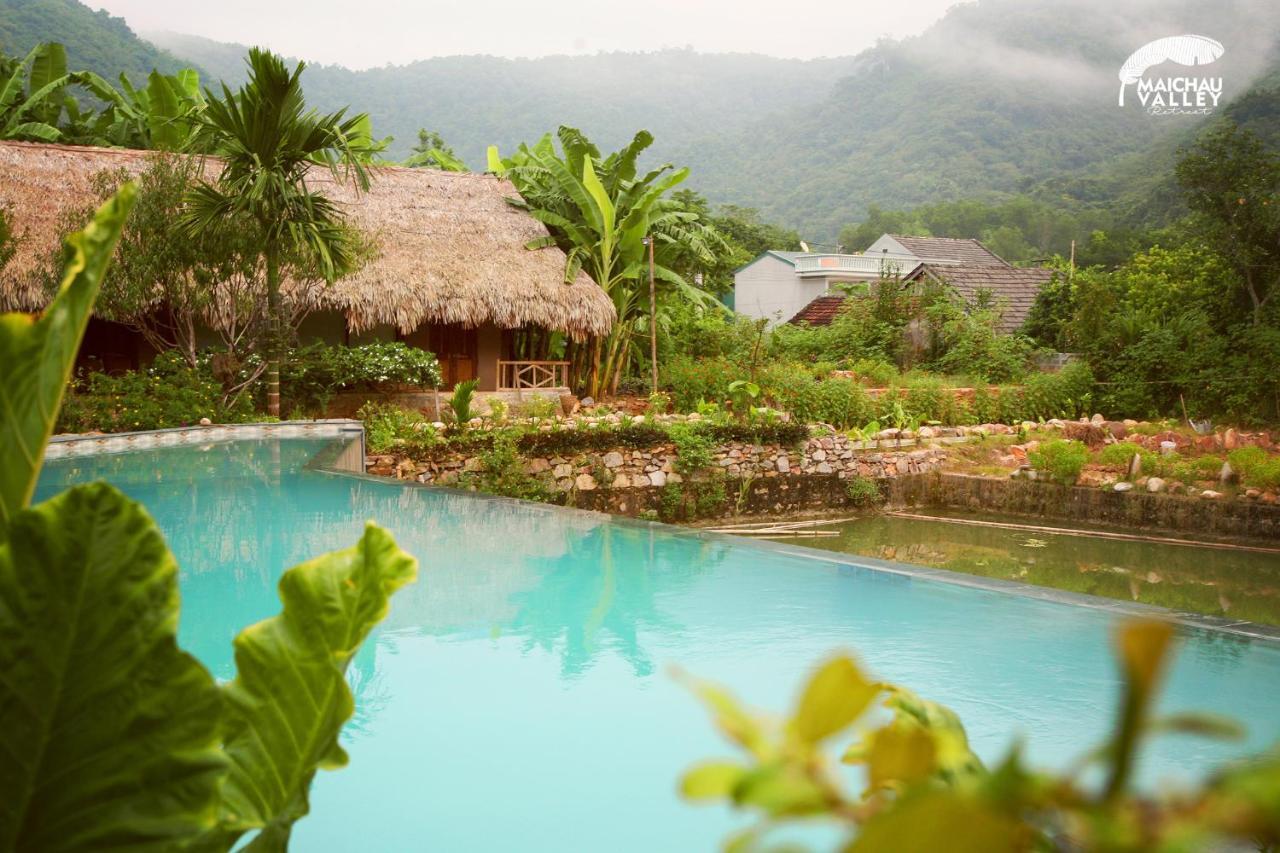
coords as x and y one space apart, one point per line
777 285
806 287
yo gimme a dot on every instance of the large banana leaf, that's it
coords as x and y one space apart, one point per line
110 733
290 696
36 356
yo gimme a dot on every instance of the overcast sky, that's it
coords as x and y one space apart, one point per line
361 35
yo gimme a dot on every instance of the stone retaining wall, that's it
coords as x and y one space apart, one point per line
1175 513
755 478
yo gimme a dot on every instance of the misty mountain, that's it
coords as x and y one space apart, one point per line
999 97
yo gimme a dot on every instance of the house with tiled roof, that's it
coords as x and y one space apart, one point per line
801 287
776 285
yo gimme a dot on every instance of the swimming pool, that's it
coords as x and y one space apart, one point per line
518 697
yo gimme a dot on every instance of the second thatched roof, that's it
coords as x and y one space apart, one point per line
448 247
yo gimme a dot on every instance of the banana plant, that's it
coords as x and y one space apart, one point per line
32 94
162 116
115 738
600 211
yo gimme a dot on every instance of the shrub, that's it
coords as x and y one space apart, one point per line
1120 454
1061 459
311 375
863 491
693 448
169 393
1265 476
388 427
875 372
540 407
693 380
503 472
460 401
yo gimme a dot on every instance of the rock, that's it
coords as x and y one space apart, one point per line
1210 495
206 422
1135 466
473 464
1176 488
585 483
1018 452
537 466
823 468
1097 420
694 416
612 459
562 471
1227 474
1117 429
1168 448
569 405
783 465
620 481
1123 486
1155 484
1130 423
927 432
1230 440
637 419
818 455
1253 494
565 484
588 402
657 478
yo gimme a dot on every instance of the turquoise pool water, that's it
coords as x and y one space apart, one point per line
518 696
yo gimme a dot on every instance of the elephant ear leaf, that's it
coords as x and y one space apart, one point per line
36 356
111 733
290 697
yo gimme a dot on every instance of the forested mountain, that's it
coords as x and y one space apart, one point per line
997 100
97 41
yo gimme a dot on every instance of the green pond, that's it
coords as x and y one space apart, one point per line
1235 584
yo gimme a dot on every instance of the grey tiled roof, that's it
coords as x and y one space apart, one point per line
954 249
1014 288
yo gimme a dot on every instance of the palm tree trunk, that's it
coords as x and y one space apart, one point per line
273 331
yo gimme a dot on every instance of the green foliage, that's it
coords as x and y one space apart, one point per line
168 393
431 152
387 427
540 407
925 789
114 737
314 373
36 357
969 341
863 492
694 448
868 327
693 380
269 143
1120 455
460 401
1255 467
503 472
1060 459
31 94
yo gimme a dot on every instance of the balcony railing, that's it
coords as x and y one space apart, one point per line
862 266
532 375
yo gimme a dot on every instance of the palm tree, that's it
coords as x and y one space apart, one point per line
600 213
268 141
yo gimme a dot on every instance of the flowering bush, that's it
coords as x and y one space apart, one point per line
311 375
168 393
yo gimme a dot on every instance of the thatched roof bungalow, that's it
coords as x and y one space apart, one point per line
449 271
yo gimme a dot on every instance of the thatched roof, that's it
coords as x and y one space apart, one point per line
449 249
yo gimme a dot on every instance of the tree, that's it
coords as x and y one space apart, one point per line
1232 185
268 142
431 152
163 116
600 212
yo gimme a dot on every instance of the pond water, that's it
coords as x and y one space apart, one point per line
519 696
1230 583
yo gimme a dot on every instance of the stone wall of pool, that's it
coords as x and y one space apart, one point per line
1240 518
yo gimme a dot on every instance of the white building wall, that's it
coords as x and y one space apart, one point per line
770 289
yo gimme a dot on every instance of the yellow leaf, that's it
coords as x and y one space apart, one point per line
710 780
780 789
1143 647
941 820
901 755
835 697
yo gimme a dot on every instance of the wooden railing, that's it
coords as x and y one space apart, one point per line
531 375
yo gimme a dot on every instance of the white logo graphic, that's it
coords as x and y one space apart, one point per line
1165 95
